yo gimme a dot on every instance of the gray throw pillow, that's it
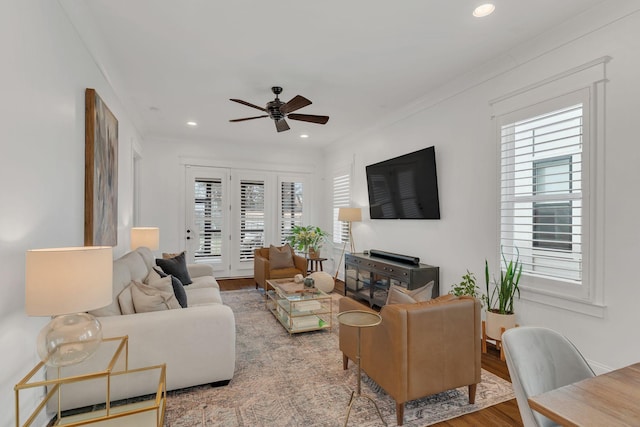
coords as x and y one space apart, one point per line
176 266
400 295
280 257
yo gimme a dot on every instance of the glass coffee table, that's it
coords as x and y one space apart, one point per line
298 309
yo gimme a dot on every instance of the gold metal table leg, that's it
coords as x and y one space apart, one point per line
358 393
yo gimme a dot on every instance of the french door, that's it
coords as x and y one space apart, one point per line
231 212
207 217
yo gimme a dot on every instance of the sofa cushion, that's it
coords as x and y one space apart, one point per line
154 298
178 289
203 296
125 300
280 257
176 266
400 295
203 282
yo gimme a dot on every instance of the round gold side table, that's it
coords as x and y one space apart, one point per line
359 319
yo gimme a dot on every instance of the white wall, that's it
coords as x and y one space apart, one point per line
162 170
45 70
456 119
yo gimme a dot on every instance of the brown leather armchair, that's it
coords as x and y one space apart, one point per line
419 349
262 271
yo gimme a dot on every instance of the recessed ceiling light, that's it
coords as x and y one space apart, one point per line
192 124
304 135
484 10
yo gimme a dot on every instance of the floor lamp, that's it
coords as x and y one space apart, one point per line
348 215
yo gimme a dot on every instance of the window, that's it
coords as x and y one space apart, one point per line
251 218
341 196
552 220
291 207
541 193
208 218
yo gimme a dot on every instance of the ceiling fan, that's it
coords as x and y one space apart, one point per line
278 111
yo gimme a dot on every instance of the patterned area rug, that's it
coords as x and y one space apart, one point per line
298 380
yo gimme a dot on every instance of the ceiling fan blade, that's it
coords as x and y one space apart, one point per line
248 104
295 104
248 118
309 118
282 125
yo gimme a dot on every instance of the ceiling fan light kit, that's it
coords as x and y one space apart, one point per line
278 111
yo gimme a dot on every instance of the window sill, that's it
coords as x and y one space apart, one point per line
579 306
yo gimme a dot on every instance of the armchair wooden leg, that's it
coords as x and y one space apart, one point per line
345 362
472 393
399 413
484 337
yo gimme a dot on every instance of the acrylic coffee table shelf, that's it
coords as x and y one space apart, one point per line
145 411
299 309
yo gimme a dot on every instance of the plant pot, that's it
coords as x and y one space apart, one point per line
314 253
496 321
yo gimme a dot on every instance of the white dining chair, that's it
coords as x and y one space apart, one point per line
540 360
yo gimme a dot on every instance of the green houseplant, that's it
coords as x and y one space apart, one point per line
467 286
500 298
305 238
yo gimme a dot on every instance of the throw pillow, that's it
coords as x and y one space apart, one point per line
126 300
280 257
178 288
153 298
400 295
169 256
153 275
176 266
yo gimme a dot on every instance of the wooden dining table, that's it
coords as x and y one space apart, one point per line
611 399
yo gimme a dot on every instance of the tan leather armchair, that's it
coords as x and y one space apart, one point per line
419 349
262 271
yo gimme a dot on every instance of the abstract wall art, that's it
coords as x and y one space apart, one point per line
101 173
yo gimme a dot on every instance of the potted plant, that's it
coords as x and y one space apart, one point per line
500 299
467 286
307 239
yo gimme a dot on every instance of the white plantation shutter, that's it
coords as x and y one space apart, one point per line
541 193
291 207
251 218
208 218
341 199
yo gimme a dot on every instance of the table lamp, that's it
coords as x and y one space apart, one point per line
145 237
66 282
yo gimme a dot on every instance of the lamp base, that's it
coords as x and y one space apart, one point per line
69 339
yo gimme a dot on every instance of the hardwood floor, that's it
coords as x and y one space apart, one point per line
504 414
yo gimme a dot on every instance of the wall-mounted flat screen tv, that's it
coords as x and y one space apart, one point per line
405 187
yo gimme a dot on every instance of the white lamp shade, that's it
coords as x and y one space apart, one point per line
148 237
350 214
68 280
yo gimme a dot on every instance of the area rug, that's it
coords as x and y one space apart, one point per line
298 380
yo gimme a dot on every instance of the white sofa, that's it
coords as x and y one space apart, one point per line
197 343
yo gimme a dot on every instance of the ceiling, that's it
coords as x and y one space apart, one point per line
359 61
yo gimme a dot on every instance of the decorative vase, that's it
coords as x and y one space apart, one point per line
314 253
309 282
496 321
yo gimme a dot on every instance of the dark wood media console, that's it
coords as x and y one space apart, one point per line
368 277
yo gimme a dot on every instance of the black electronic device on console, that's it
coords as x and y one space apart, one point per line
407 259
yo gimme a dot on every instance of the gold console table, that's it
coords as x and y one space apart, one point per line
146 412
